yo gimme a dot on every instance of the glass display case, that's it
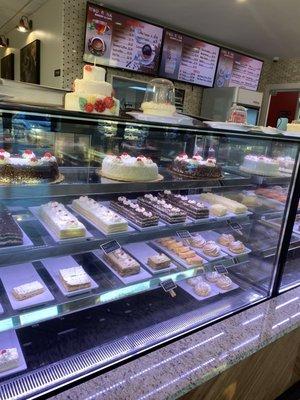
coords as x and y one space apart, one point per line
118 236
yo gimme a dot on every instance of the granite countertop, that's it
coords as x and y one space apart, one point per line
177 368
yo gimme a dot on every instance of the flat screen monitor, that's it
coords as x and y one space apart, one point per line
238 70
188 59
117 40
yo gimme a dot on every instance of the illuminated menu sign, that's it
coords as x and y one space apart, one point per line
117 40
238 70
188 59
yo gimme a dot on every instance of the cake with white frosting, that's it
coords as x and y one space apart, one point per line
160 109
260 165
59 220
92 94
74 278
27 167
101 216
129 169
9 359
28 290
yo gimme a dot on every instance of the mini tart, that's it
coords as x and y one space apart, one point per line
211 249
236 247
225 239
202 289
187 254
212 276
197 241
195 261
224 282
194 281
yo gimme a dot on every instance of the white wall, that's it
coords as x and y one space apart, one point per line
48 28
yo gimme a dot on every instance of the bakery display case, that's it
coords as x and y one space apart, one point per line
119 235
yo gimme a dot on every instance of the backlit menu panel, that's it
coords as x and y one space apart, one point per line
238 70
117 40
188 59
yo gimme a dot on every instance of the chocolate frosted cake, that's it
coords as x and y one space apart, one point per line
164 210
134 212
10 232
27 168
193 208
196 167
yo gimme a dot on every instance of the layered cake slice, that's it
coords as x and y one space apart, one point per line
159 261
10 232
74 278
196 167
28 290
231 205
101 216
9 359
134 212
64 224
193 208
122 262
163 209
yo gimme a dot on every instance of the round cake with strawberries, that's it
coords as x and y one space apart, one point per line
92 94
27 168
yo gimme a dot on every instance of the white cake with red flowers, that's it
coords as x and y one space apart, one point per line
260 165
92 94
129 169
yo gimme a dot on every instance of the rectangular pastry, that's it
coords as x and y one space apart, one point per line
134 212
9 359
64 224
74 278
28 290
101 216
231 205
164 210
181 250
193 208
122 262
159 261
10 232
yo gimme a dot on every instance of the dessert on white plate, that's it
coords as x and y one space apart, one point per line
231 205
9 359
260 165
28 290
74 278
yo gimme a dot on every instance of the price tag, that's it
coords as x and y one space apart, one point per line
108 247
235 226
220 269
169 285
184 234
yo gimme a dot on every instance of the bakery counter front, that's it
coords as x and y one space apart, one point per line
118 237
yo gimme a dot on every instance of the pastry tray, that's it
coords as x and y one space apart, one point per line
8 340
54 236
174 256
26 244
127 280
142 251
211 235
77 213
205 256
16 275
53 265
147 228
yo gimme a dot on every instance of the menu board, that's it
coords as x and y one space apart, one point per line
117 40
238 70
188 59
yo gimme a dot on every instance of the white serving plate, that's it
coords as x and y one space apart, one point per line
291 134
212 235
8 340
26 244
125 279
142 251
174 256
230 126
76 213
16 275
35 212
53 265
189 289
173 119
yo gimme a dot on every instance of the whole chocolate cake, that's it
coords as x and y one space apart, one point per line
27 168
196 167
10 232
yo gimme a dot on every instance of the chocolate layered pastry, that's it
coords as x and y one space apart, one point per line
134 212
194 209
163 209
196 167
27 168
10 232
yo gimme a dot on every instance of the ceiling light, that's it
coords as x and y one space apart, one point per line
25 25
3 41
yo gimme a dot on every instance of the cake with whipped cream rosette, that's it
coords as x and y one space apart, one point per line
196 167
92 94
27 168
129 169
260 165
9 359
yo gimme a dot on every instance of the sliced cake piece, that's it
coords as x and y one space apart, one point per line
74 278
9 359
28 290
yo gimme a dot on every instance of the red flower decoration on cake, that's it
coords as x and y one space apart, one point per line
109 102
28 152
88 68
48 154
2 157
99 105
89 107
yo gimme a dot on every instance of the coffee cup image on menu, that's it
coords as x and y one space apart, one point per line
147 54
97 46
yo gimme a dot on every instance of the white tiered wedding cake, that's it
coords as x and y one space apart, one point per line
92 94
